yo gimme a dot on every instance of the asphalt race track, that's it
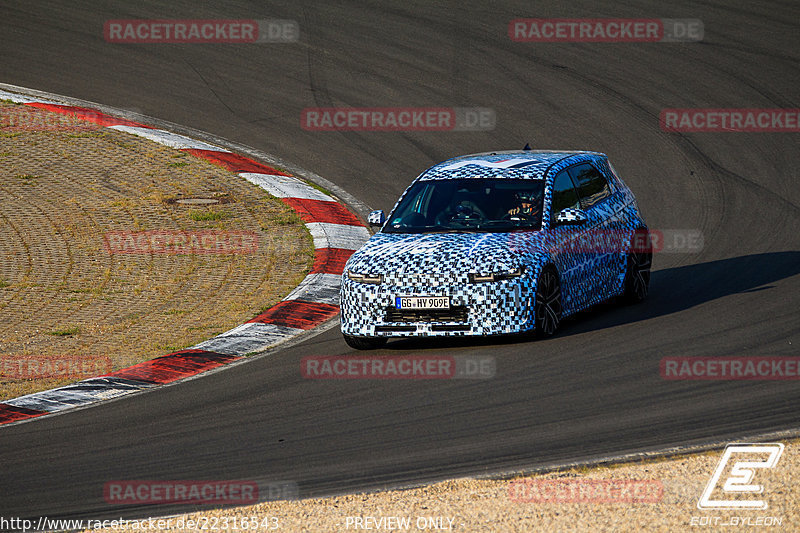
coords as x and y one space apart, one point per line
594 390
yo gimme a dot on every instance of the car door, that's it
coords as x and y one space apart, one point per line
600 248
564 242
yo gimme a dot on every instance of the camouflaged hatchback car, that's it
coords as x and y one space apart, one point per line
497 243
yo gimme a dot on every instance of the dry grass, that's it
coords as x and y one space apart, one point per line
63 293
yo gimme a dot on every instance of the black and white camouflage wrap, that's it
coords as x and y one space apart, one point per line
439 264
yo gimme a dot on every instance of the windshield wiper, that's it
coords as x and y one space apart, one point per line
425 229
444 229
507 225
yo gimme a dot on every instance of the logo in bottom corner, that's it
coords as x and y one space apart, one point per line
745 460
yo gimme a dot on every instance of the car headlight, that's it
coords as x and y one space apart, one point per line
475 277
377 279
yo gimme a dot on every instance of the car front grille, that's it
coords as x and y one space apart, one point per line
395 329
450 327
415 279
454 314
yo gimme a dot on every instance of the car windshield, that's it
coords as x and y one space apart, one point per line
469 205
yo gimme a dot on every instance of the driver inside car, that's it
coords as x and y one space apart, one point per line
528 207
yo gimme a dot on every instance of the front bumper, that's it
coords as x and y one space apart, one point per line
489 308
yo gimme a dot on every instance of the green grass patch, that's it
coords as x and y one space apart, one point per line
170 349
122 144
4 284
86 290
65 332
320 188
205 216
179 164
84 134
285 220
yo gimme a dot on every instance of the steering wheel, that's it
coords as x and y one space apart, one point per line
467 212
521 216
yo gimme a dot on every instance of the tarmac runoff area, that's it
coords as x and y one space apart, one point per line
655 495
115 249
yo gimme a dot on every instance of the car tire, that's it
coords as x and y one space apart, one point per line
547 308
637 270
364 343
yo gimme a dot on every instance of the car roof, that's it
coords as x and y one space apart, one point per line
516 164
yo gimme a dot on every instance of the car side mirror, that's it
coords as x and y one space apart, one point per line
376 218
571 217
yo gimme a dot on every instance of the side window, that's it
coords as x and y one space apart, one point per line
415 211
564 194
592 185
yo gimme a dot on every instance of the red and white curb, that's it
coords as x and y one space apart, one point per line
336 231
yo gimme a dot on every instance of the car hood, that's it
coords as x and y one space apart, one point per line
401 253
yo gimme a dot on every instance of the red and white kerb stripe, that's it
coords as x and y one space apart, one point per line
337 233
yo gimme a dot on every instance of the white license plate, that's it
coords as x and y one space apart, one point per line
422 302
